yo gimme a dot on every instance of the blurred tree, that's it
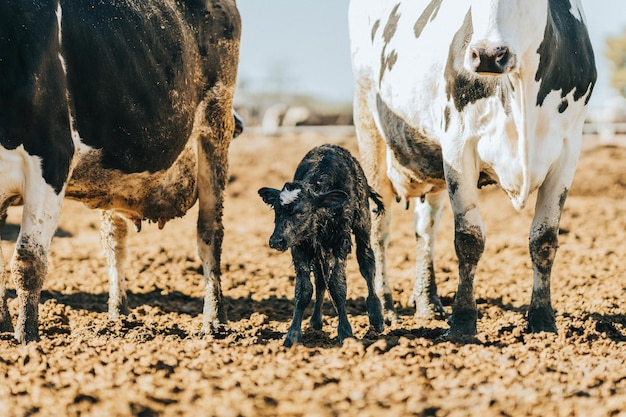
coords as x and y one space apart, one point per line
616 53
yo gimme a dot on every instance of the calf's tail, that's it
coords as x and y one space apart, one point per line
376 198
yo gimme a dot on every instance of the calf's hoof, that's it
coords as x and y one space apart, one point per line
541 320
316 322
344 332
375 314
293 337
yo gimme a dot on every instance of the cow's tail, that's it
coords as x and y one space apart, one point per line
376 198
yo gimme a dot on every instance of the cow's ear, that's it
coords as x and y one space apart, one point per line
269 195
331 199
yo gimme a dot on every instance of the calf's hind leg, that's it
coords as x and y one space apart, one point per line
302 298
367 267
338 291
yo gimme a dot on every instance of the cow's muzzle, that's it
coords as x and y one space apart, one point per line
492 60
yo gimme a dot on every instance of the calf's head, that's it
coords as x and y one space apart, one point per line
297 211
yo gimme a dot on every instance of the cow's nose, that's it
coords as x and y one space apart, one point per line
493 60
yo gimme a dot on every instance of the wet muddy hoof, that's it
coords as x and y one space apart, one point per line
541 320
462 323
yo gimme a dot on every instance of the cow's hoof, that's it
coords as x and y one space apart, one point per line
541 320
462 323
6 325
214 329
25 335
115 312
428 308
389 310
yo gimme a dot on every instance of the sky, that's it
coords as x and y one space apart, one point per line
303 46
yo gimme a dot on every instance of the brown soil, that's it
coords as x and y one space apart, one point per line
154 362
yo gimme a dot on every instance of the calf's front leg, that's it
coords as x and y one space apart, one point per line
302 298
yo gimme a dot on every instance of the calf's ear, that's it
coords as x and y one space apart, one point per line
331 199
269 195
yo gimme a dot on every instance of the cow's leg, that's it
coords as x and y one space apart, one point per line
427 214
372 150
6 325
543 244
29 264
213 145
319 272
337 289
113 232
367 266
302 298
469 243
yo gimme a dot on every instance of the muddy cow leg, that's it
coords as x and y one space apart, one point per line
6 325
372 151
113 233
543 245
469 243
29 264
302 298
426 219
213 143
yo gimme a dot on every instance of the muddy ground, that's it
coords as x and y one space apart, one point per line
155 363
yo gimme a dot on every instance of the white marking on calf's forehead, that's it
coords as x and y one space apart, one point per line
289 196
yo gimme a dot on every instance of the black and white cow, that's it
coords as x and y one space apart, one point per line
125 106
454 95
315 216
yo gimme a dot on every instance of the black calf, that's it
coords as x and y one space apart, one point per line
315 215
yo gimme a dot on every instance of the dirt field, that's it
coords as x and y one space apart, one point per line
154 363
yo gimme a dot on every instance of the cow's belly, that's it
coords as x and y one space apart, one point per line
156 197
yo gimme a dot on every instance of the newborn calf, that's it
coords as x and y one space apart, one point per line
315 214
